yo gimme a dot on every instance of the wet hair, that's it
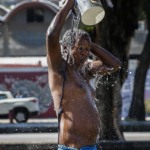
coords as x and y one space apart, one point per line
69 39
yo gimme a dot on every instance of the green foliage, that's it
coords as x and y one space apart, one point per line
87 28
142 15
90 30
147 106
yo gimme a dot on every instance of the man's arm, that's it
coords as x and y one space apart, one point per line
106 64
106 57
53 33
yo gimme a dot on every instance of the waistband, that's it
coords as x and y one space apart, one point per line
63 147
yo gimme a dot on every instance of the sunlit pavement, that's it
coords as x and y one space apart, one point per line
33 120
44 120
146 119
51 138
137 136
48 138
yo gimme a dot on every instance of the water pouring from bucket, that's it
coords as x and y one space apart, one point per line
92 11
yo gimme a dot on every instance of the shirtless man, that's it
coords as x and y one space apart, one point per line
79 123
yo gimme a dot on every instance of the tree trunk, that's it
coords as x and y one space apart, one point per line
137 108
115 32
108 107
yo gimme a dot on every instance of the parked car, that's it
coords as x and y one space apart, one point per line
22 108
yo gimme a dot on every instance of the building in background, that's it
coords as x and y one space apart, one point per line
11 3
22 33
24 28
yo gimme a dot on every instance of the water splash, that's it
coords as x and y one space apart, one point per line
75 24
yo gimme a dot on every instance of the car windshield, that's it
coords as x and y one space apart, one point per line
2 96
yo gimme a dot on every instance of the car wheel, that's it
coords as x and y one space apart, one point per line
21 116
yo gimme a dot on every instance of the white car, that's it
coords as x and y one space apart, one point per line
22 108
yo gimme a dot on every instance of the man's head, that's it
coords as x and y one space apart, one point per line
76 44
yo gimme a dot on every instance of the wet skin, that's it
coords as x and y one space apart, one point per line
79 121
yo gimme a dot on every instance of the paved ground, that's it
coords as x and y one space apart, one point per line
29 138
32 120
44 120
51 138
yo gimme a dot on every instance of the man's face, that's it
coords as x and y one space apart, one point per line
81 50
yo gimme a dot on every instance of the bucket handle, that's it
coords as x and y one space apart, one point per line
95 2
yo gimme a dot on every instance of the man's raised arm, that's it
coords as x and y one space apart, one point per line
59 20
106 57
107 63
53 33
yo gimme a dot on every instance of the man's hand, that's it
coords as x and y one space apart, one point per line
106 57
63 2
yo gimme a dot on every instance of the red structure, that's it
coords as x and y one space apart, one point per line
28 80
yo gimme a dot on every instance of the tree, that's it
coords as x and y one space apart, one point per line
137 109
114 34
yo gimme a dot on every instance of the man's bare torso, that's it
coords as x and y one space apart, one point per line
79 124
79 120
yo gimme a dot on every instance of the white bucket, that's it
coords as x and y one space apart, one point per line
92 11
